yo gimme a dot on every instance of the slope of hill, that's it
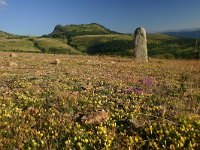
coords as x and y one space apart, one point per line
7 35
164 46
49 45
159 45
94 44
15 43
78 30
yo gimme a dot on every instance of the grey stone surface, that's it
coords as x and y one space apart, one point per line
13 64
141 52
56 62
13 55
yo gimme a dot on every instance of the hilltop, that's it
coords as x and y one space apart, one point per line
78 30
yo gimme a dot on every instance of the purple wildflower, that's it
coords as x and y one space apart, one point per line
128 90
138 91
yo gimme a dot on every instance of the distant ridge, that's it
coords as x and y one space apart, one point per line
187 33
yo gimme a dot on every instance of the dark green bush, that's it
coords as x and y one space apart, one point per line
110 47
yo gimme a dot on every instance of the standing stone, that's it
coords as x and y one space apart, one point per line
141 53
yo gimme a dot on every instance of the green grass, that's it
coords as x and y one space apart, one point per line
22 45
94 39
160 46
15 43
82 43
163 46
160 37
49 45
140 106
7 35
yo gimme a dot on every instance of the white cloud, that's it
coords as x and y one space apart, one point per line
3 2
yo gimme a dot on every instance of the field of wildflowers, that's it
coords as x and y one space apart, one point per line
98 102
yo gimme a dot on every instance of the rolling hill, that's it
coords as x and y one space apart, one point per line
94 39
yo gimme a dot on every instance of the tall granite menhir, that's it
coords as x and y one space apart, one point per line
140 49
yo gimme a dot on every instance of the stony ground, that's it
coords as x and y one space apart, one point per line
97 102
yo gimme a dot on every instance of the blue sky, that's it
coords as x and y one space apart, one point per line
38 17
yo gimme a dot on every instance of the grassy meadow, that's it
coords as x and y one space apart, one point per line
27 44
17 45
83 43
80 88
49 45
95 39
98 102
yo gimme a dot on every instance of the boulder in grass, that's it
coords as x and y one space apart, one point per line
95 117
87 87
13 55
56 62
13 64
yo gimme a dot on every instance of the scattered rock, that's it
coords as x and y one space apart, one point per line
13 55
112 62
87 87
95 117
149 59
2 67
56 62
4 91
141 45
13 64
100 88
67 95
32 110
137 123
